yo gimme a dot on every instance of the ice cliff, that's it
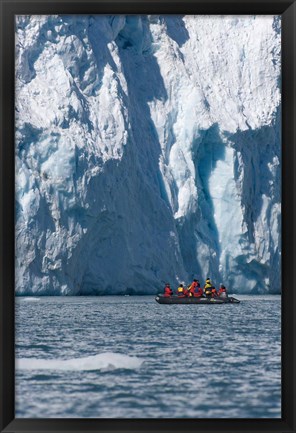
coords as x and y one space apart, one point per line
148 149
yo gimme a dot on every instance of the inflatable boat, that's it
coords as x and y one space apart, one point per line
161 299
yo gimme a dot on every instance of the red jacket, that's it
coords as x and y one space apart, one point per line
214 292
221 290
168 291
198 292
193 287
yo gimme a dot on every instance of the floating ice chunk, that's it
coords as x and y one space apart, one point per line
103 361
30 299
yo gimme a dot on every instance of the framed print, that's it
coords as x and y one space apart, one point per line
147 216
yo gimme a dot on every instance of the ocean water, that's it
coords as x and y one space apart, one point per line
129 357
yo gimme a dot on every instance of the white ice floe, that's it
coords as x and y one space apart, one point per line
103 361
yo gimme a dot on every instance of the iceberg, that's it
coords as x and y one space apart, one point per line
148 149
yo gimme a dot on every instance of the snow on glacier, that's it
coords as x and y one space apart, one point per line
147 149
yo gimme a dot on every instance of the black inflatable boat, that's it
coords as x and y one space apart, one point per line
161 299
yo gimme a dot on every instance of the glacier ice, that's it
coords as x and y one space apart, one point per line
148 148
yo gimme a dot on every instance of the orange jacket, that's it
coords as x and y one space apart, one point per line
198 292
168 291
221 290
193 286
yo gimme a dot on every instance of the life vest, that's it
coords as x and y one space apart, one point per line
180 291
208 289
198 292
192 287
222 290
214 291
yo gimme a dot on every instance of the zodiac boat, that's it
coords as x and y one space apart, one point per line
161 299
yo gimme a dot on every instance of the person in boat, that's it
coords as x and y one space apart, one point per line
186 291
167 290
180 290
222 292
198 292
214 292
195 289
192 287
208 288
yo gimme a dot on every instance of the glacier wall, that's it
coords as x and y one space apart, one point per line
148 149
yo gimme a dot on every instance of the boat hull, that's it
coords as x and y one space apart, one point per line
191 300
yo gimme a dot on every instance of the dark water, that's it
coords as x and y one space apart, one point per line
196 361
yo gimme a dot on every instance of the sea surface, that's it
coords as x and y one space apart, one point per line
129 357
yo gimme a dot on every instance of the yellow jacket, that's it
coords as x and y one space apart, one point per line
208 288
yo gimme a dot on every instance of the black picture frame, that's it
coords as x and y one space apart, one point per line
10 8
